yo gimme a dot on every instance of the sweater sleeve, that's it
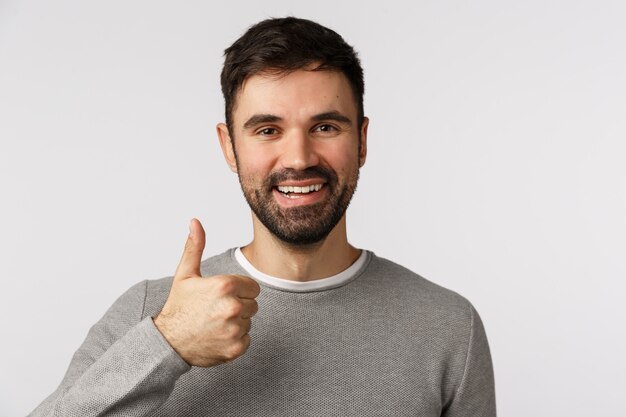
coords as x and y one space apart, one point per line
125 367
475 396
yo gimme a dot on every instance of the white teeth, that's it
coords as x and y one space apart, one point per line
300 190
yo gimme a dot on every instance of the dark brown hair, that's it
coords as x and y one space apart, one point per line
282 45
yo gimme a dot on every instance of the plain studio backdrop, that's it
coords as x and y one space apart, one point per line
495 168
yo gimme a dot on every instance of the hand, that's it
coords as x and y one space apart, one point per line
207 320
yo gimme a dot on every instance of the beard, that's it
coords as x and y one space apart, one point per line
300 225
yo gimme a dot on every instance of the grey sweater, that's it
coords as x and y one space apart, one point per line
386 343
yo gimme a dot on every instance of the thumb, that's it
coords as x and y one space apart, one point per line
189 265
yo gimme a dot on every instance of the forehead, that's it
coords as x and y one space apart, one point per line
295 95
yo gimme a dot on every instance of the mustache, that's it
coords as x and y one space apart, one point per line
290 174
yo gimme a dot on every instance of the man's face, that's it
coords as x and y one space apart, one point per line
296 151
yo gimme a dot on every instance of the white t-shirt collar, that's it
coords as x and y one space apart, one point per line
298 286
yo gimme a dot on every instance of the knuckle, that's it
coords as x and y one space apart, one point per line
236 350
232 308
224 285
257 288
247 326
231 332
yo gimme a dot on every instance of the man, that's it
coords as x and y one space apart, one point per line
336 330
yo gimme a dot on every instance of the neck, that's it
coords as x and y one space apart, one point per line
323 259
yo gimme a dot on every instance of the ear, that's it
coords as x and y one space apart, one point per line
363 153
227 146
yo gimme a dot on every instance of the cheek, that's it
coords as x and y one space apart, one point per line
343 159
254 162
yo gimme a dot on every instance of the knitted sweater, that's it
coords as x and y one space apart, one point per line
386 342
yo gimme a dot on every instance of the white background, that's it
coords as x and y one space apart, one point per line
496 168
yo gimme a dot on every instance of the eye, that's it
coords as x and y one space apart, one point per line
267 131
325 128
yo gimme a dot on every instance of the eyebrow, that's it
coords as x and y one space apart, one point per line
332 115
258 119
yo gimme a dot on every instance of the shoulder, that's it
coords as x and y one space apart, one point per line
407 283
447 327
422 304
223 263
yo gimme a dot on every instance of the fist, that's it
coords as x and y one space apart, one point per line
207 320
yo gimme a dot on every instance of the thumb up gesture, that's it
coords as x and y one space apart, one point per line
207 320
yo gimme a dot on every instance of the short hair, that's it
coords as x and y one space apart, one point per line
283 45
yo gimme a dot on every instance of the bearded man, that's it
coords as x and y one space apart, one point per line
337 331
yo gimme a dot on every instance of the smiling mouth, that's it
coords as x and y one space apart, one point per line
291 191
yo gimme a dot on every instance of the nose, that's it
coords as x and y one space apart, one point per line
299 151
